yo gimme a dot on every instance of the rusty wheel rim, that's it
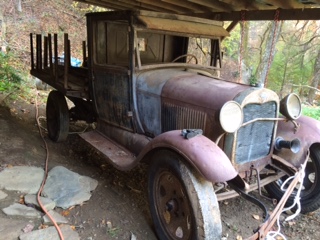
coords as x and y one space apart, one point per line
173 206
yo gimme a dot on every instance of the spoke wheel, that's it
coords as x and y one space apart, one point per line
183 205
310 193
57 117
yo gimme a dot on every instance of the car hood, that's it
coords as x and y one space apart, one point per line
188 87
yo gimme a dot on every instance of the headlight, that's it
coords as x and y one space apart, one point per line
231 116
290 106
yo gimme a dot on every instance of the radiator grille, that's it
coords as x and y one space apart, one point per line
254 140
177 117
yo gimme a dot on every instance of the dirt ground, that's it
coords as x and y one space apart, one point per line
118 208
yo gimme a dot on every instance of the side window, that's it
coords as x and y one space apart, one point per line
111 43
151 47
201 48
100 43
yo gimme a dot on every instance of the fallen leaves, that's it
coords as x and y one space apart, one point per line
65 213
256 217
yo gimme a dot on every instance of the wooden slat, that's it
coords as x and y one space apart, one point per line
31 51
55 46
45 52
50 53
66 60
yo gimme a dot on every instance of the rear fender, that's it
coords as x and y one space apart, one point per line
308 133
203 154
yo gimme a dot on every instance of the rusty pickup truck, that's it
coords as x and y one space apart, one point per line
151 82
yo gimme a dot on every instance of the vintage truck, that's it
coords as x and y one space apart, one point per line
151 83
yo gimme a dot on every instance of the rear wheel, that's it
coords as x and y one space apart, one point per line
183 205
310 193
57 116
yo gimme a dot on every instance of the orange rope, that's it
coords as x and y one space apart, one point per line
276 20
46 174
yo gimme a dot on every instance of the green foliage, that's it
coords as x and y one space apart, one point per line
9 76
231 44
313 112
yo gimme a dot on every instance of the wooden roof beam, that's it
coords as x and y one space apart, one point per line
105 4
169 7
144 6
265 15
289 4
242 4
192 6
214 4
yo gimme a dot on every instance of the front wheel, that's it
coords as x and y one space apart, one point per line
310 193
183 205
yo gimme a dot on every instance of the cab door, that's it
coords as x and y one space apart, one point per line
111 88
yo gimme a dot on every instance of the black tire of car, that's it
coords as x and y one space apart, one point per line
183 204
310 194
57 114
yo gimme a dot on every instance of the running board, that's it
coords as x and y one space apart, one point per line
119 157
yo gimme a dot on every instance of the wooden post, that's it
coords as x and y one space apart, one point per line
39 52
66 60
55 45
50 53
45 52
84 54
31 51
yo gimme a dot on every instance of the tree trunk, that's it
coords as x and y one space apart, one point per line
2 30
269 52
315 79
245 68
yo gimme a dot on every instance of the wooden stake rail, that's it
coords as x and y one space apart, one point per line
56 71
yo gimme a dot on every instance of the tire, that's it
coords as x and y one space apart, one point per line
57 117
310 193
183 205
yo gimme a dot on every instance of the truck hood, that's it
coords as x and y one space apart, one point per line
188 87
169 99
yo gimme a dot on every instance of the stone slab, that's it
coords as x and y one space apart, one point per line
21 178
17 209
11 229
67 188
51 233
56 216
3 195
46 202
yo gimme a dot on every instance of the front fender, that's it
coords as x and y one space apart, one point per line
203 154
308 133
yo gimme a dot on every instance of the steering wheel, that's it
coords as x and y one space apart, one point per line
186 55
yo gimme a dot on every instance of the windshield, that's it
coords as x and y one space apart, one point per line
154 48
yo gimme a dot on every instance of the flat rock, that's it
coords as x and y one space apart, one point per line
46 202
56 216
67 188
10 229
51 233
21 178
3 195
17 209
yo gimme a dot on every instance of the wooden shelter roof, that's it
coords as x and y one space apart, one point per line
224 10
